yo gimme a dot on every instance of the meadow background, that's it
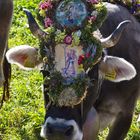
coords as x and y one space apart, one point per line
23 114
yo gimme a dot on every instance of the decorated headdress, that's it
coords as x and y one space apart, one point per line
70 45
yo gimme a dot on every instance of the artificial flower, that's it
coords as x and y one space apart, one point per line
48 22
80 59
68 39
92 19
45 5
42 13
80 68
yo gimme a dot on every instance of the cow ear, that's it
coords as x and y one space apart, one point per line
24 56
117 69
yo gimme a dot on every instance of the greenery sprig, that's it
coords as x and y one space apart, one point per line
74 93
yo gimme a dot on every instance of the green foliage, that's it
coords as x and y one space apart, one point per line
20 33
134 133
21 117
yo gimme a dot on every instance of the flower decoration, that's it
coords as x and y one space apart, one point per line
66 95
81 59
71 23
91 22
48 22
70 45
68 39
92 19
45 5
132 5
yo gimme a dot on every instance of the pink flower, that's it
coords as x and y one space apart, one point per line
68 39
92 18
93 1
45 5
48 22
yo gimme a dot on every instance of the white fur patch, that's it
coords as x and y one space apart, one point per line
77 134
122 68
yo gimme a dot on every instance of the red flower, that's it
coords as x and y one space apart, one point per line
68 39
80 59
48 22
45 5
87 55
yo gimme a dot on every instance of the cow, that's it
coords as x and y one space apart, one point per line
6 11
110 99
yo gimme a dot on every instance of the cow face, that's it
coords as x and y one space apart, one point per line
27 57
68 121
73 66
71 123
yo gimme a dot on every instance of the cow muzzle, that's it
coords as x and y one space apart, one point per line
61 129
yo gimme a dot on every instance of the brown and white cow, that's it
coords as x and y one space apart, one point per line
108 101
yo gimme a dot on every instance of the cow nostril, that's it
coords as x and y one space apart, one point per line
69 131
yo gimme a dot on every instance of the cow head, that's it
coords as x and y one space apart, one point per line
69 90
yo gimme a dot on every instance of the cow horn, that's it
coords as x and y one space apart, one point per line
34 27
115 36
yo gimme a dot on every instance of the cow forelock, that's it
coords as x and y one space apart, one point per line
77 133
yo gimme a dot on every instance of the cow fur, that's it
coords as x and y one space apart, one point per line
116 102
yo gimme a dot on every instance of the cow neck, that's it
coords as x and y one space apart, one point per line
82 103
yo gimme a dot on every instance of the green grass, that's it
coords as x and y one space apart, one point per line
21 116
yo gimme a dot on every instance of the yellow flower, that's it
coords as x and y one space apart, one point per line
42 13
80 68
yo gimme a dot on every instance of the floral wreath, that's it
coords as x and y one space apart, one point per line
78 32
68 35
132 5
